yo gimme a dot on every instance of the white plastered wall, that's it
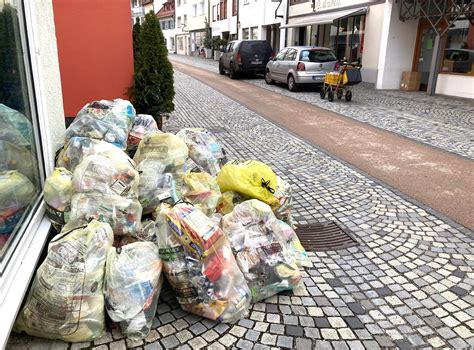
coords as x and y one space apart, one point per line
372 37
397 45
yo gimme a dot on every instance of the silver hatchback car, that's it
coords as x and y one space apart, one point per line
300 65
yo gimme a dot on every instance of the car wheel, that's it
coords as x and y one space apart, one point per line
330 96
292 84
221 69
348 96
322 93
268 78
232 73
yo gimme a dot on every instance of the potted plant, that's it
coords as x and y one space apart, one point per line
218 45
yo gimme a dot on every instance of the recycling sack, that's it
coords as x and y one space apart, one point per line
104 120
78 148
16 157
169 149
15 125
204 150
200 266
142 125
155 185
16 193
132 287
284 196
58 191
123 214
202 191
66 300
288 235
263 256
108 176
251 178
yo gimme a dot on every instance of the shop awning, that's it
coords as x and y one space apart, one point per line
324 18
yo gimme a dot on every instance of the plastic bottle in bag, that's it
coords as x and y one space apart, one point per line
142 125
202 190
58 191
101 174
66 300
132 287
204 150
110 121
200 265
123 214
263 256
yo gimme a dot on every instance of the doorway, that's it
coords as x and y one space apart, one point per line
424 52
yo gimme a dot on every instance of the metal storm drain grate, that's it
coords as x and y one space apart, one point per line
324 236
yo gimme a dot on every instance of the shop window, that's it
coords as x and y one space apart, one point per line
245 33
254 33
459 52
20 172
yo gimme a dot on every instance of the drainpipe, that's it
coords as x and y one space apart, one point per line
286 22
435 65
237 24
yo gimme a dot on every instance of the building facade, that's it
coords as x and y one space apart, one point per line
166 16
262 19
138 10
224 19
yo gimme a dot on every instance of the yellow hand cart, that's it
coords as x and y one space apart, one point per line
339 83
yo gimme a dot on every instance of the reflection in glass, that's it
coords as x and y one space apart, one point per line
19 175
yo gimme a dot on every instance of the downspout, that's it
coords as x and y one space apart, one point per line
286 22
237 24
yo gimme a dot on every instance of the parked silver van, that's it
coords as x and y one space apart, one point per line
300 65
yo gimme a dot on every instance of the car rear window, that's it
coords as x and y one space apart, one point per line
255 46
317 56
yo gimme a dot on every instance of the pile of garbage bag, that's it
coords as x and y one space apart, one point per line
221 232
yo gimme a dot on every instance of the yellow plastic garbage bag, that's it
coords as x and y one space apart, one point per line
58 191
252 178
201 189
66 300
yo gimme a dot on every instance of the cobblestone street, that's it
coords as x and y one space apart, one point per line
442 122
409 282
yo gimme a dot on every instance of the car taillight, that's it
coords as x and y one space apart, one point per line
300 66
239 58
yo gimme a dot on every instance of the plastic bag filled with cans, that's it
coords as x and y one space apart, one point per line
142 125
263 256
110 121
66 300
199 264
205 152
132 286
123 214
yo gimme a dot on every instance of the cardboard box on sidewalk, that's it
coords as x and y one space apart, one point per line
410 81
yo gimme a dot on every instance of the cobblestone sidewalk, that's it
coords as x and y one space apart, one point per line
440 121
408 284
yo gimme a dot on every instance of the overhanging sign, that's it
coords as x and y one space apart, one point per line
335 5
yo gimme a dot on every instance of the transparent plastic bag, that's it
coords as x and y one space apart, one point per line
263 257
16 193
65 300
101 174
77 148
202 190
155 185
132 287
204 150
288 235
16 122
167 148
251 178
142 125
228 201
58 191
123 214
198 263
110 121
14 157
284 195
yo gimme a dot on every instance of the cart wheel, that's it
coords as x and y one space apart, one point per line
348 96
339 94
330 96
322 93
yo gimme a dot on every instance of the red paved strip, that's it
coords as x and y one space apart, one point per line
438 179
